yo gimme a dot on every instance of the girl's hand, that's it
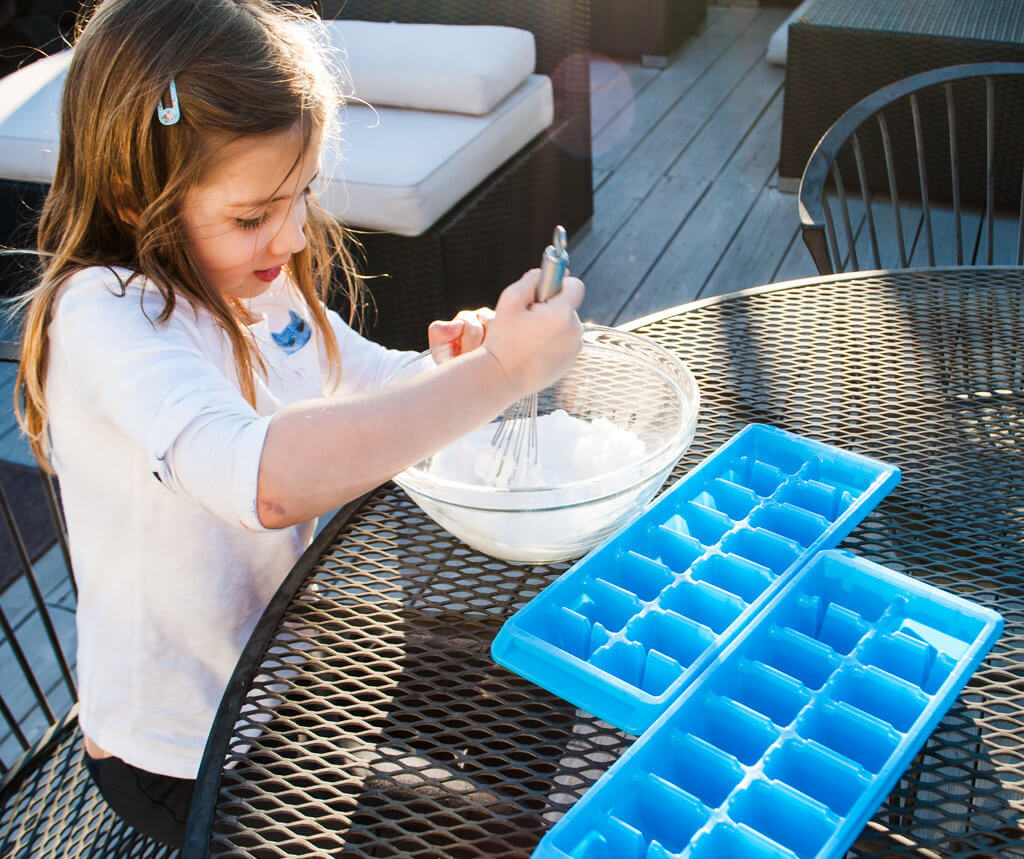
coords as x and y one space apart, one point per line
536 342
462 334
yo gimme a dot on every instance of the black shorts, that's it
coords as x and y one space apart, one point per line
155 805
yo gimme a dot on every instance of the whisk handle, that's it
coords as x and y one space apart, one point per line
553 264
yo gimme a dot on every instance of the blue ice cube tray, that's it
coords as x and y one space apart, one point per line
623 631
789 741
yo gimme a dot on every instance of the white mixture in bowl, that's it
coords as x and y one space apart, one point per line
569 449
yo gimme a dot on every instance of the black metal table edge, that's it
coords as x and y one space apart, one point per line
818 279
201 811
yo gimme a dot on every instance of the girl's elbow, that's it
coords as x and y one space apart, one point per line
272 514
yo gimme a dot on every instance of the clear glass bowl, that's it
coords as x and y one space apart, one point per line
625 378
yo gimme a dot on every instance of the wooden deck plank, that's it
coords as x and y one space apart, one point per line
620 87
632 181
944 237
857 254
658 150
763 239
884 220
601 71
691 256
730 19
796 263
723 27
732 122
32 638
54 584
626 260
618 271
633 121
13 445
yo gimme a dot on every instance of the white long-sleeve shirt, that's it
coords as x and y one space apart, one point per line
158 455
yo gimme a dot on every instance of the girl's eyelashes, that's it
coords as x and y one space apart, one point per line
260 220
252 223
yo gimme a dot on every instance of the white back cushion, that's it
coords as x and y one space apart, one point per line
444 67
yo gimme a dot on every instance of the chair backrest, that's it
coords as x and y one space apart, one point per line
923 172
37 686
48 803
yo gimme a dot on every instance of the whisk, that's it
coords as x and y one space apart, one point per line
514 443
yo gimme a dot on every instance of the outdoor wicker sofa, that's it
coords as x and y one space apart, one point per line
840 51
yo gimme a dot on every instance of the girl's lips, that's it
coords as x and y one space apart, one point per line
268 275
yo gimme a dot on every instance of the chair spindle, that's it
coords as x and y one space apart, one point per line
922 175
894 196
845 212
865 195
990 150
954 172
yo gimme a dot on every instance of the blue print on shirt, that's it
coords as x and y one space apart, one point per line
294 336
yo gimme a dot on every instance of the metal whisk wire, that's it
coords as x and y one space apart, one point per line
514 443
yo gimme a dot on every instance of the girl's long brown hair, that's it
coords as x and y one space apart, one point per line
241 68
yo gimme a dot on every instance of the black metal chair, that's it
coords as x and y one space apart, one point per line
923 172
48 804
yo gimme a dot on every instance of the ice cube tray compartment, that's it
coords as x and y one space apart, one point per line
764 690
784 815
835 783
786 745
703 558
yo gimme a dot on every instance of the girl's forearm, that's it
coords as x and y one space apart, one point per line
321 453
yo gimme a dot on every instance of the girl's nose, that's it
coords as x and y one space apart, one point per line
291 239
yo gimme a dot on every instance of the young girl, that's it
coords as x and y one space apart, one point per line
180 371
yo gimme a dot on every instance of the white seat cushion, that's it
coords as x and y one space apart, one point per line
460 69
395 170
29 111
404 172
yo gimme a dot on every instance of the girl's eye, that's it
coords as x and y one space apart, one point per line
256 223
251 223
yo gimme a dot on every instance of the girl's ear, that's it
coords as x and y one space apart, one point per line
118 202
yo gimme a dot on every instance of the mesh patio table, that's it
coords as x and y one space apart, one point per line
366 717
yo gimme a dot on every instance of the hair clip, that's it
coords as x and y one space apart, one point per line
169 115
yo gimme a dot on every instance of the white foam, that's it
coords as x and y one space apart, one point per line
569 450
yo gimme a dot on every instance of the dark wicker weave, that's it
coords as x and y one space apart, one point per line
897 151
650 29
378 725
842 51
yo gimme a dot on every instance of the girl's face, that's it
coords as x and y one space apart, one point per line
246 219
